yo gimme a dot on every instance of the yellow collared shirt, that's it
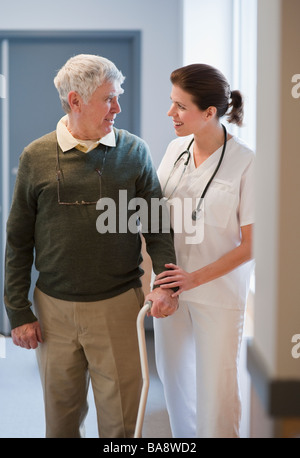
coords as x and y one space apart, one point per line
66 140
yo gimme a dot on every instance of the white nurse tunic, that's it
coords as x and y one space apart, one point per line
197 348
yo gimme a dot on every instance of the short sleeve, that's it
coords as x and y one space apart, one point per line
247 194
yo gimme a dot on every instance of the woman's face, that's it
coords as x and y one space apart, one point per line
187 117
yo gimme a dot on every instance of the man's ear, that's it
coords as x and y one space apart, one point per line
75 101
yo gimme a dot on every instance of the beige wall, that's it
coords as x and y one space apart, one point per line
289 223
277 241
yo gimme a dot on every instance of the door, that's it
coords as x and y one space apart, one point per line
31 106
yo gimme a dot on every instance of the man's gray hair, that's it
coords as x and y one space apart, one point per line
83 74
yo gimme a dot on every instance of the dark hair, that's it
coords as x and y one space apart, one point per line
209 87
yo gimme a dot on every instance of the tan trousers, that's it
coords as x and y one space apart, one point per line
83 341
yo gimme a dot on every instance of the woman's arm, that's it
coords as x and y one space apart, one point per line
230 261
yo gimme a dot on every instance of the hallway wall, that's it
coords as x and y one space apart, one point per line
274 367
161 26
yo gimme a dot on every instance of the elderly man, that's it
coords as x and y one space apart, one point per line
88 292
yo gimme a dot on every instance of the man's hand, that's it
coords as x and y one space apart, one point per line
163 304
28 335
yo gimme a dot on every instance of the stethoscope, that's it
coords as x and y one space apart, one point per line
196 212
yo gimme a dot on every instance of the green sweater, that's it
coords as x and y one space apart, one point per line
74 260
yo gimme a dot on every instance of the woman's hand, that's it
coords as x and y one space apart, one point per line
231 260
176 277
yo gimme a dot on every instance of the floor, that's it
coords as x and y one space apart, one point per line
21 399
21 402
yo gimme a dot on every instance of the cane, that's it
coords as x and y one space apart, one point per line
144 367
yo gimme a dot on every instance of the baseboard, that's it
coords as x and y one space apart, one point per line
280 398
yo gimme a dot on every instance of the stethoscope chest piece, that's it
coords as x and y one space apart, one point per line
196 215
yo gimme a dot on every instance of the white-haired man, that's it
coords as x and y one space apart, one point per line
88 292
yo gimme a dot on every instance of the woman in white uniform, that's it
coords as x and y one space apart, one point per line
209 190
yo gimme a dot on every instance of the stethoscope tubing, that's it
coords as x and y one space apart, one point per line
196 212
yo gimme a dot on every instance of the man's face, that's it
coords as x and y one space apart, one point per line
96 118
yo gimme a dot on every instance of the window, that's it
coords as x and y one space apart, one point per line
223 33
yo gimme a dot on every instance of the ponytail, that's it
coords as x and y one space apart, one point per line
236 115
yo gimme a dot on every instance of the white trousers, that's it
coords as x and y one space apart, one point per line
197 353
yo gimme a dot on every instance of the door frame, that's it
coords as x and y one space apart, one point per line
133 35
